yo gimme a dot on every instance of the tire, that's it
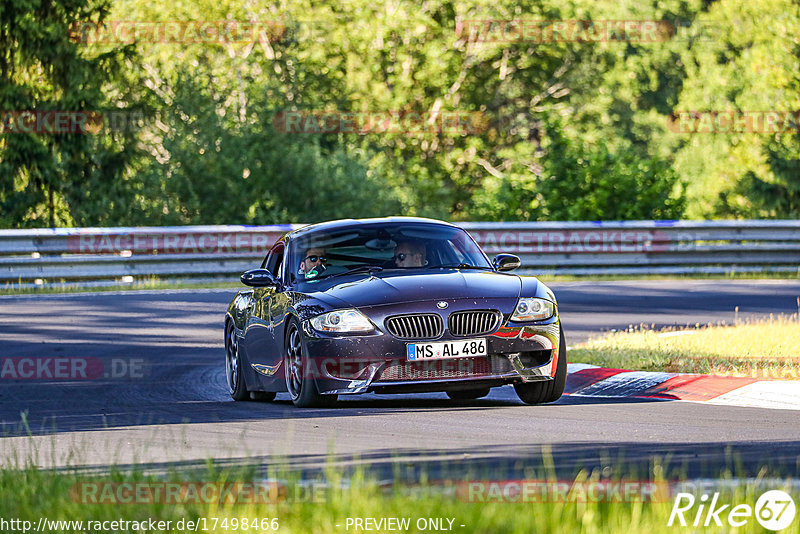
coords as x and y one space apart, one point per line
302 389
233 366
468 394
549 390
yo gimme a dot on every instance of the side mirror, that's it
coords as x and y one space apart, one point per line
259 278
506 262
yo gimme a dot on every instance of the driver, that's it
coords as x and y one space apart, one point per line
410 254
314 263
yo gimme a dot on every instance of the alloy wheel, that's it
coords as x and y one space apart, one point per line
294 364
231 359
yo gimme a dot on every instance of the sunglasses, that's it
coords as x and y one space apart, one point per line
313 258
402 256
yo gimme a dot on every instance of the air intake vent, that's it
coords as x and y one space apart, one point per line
438 369
474 323
416 326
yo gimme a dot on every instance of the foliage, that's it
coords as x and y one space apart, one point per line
582 182
742 57
46 178
570 129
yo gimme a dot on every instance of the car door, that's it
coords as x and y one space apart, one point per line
277 309
264 351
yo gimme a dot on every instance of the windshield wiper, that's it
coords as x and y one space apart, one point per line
460 266
360 269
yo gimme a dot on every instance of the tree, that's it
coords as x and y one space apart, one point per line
742 59
582 181
45 175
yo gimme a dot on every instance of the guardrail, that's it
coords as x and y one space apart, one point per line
122 255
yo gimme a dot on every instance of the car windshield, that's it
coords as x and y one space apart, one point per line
372 248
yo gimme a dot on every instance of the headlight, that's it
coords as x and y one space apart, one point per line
342 321
533 309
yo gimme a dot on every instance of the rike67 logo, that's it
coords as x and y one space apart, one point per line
774 510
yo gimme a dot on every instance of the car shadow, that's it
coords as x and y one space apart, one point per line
129 409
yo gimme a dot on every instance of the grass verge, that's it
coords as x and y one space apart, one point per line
143 284
762 348
732 275
33 495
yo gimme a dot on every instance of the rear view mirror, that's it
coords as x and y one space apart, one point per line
506 262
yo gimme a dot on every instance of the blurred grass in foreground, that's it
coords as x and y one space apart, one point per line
30 493
759 348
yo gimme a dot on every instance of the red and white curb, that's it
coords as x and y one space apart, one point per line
586 380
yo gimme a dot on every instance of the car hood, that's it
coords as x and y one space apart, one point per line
387 288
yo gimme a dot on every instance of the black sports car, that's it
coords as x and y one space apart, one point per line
390 305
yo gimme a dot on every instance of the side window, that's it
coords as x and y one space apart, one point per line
277 265
274 260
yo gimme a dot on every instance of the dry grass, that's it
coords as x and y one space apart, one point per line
766 348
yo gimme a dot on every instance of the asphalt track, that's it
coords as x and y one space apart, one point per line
176 410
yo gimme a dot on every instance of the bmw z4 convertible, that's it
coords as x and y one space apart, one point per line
393 305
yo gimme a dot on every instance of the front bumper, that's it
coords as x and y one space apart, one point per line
377 363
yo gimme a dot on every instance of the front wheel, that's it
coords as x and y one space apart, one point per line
301 385
233 366
549 390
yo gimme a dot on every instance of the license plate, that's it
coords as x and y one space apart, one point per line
446 349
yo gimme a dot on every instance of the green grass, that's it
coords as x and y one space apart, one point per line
733 275
143 284
764 348
29 494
